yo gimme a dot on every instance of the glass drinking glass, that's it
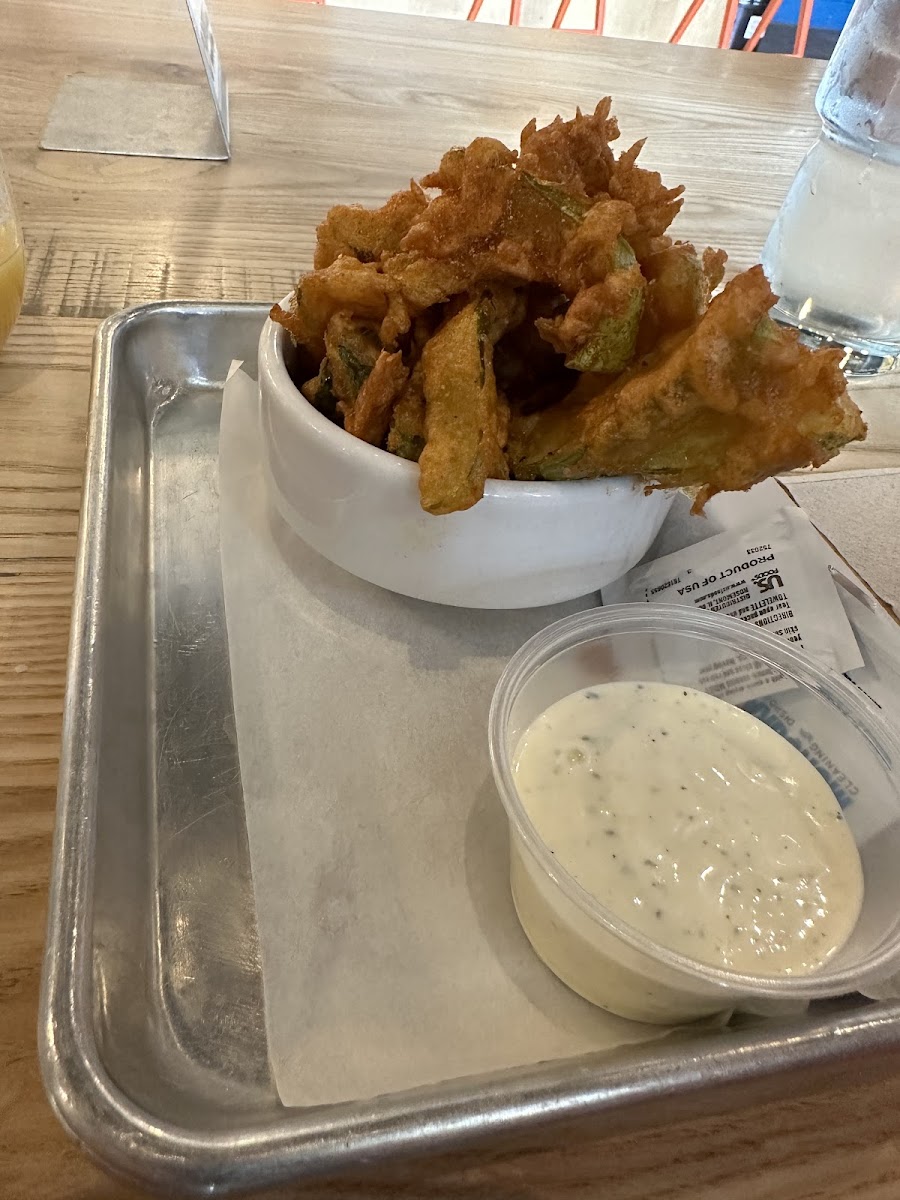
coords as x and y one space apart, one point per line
12 260
833 255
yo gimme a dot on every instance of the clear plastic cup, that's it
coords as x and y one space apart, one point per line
828 718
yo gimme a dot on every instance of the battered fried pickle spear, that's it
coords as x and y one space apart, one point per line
466 420
730 402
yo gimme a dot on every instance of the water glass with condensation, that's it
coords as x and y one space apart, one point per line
12 260
833 254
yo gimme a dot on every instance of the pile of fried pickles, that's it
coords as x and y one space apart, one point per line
526 316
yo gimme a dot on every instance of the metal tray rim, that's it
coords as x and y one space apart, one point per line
733 1070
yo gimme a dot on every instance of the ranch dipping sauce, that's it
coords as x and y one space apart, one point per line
692 822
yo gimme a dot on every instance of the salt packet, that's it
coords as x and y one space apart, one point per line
774 574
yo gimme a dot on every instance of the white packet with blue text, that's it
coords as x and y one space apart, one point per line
774 574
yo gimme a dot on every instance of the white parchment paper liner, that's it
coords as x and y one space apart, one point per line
392 956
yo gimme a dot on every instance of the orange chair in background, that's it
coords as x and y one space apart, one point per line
727 23
803 23
599 14
731 8
515 14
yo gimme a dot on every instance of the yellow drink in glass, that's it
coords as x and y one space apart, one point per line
12 275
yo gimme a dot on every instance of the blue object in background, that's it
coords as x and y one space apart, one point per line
826 14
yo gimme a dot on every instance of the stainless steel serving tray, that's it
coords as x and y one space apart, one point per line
152 1038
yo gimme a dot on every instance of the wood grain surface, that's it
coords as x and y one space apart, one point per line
330 105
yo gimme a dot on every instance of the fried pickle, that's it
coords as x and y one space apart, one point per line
366 235
655 206
575 154
596 247
406 436
679 289
495 219
466 419
346 285
474 199
599 329
425 282
719 407
352 348
320 392
370 415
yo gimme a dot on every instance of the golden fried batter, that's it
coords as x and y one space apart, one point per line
352 348
370 415
346 285
719 407
679 290
574 154
655 206
598 330
465 419
406 437
536 297
472 204
366 235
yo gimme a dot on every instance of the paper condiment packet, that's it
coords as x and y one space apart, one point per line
779 571
774 574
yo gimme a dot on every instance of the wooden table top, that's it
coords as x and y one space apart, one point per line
329 105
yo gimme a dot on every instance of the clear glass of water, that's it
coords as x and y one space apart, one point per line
833 254
12 260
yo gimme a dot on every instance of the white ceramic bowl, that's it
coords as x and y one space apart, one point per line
522 545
